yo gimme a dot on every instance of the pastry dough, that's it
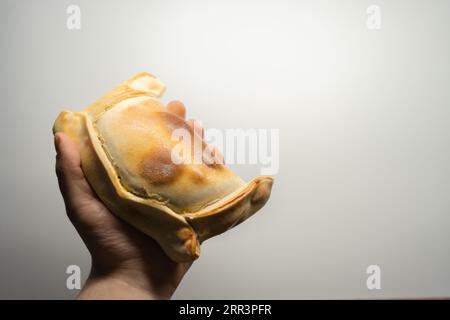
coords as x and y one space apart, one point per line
126 144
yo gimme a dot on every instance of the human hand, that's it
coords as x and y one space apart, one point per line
126 264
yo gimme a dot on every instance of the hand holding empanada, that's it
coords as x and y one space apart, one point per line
126 147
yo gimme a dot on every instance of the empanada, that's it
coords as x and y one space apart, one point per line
126 141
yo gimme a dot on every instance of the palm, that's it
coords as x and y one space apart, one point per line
113 244
114 241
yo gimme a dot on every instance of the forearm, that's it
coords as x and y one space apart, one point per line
112 289
120 285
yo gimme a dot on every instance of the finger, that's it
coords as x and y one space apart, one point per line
197 126
177 107
72 183
218 156
212 156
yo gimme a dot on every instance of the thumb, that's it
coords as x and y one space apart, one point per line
72 182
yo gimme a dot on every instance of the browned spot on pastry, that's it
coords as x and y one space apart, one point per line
197 175
159 168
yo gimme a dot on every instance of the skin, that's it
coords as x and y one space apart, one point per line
126 264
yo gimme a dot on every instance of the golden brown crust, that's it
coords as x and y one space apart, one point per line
179 246
126 146
158 168
231 211
139 143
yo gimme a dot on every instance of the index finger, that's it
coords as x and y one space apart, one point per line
177 107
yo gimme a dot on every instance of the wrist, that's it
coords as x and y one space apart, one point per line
123 283
113 288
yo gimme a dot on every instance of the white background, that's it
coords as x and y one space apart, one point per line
364 125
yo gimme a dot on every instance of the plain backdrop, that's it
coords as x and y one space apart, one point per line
364 120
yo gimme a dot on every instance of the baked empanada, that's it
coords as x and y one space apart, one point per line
126 146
